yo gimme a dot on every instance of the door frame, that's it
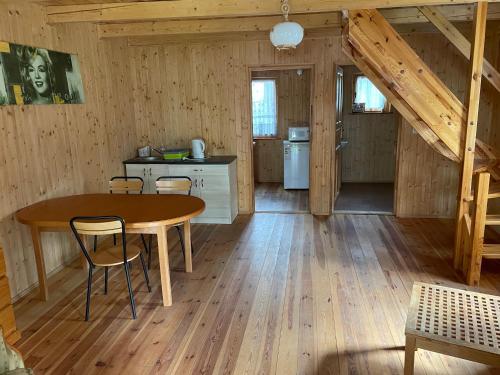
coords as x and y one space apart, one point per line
248 135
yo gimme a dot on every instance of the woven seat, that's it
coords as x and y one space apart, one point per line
451 321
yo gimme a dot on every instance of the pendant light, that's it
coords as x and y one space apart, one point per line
286 35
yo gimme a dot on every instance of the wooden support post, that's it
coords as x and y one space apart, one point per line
473 97
475 256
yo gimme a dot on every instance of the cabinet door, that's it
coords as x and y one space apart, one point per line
153 172
188 171
136 170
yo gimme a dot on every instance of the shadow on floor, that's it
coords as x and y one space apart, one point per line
366 197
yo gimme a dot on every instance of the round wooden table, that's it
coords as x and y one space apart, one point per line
143 213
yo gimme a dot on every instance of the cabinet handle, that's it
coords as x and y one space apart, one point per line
144 172
202 182
195 182
150 172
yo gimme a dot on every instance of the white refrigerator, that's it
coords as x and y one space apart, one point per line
296 164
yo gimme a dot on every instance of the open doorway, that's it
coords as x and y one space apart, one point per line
281 113
366 148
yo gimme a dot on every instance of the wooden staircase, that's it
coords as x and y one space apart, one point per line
438 116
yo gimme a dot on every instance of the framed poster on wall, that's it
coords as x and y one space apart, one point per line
31 75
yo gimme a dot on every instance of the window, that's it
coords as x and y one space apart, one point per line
367 98
264 112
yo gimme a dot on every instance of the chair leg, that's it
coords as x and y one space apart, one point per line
106 270
181 238
130 293
95 244
150 250
114 239
410 349
89 291
145 272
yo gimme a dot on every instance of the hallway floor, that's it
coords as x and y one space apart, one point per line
272 197
366 198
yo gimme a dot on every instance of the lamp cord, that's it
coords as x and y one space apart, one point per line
285 8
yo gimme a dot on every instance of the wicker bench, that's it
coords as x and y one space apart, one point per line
455 322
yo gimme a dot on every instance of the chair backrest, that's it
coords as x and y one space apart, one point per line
174 185
127 185
98 226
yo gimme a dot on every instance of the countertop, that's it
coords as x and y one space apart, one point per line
220 159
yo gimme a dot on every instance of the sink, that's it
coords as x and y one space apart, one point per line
151 158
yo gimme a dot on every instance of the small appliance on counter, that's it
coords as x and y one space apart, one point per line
198 148
296 158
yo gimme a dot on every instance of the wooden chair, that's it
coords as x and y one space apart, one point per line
125 185
122 254
174 185
452 321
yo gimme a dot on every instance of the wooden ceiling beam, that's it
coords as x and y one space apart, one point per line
459 41
397 16
188 9
214 26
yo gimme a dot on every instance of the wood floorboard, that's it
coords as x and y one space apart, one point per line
272 197
269 294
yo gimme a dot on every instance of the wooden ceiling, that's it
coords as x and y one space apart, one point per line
194 18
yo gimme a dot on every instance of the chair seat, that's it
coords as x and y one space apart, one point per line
113 256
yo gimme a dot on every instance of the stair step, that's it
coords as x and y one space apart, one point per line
494 191
492 220
491 251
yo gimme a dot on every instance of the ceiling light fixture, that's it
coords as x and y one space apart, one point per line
286 35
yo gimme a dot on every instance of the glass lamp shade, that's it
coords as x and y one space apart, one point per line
286 35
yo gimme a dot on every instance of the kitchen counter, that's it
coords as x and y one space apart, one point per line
220 159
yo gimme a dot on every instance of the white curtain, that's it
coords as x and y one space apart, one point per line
264 108
367 93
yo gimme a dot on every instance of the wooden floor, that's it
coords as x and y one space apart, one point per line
366 197
270 294
272 197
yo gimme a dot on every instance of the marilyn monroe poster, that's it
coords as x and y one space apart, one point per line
30 75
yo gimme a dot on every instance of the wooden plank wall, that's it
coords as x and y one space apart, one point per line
422 193
183 91
294 104
54 150
370 155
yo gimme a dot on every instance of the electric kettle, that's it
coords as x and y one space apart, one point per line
198 148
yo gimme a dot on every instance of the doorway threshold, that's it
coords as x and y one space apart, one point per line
386 213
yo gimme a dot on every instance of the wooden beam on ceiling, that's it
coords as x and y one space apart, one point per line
188 9
459 41
158 40
214 26
398 16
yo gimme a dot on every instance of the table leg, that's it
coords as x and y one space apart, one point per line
188 252
40 263
166 289
410 349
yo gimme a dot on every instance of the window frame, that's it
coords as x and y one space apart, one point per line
387 108
277 133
